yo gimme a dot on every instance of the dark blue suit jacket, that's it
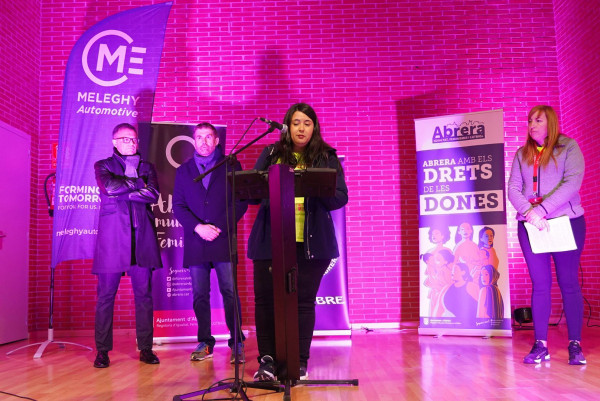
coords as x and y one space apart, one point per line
193 204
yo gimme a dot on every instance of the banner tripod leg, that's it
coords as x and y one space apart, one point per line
50 340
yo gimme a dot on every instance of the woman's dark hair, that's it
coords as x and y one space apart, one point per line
465 269
443 229
483 230
315 151
492 272
426 256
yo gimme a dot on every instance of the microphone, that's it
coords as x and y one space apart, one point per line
281 127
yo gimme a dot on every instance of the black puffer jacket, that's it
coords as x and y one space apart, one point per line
319 232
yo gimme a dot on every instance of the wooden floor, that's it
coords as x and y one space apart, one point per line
389 364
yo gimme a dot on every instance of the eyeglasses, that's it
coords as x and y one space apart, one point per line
127 139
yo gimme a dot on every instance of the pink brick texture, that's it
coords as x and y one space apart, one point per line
369 68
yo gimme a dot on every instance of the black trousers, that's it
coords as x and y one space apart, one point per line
310 273
108 284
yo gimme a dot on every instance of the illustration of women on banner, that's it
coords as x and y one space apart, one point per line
490 303
460 298
487 253
438 262
466 251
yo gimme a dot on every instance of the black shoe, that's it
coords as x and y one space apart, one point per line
576 354
266 370
101 360
149 357
303 371
537 354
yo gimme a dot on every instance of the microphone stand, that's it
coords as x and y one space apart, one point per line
238 384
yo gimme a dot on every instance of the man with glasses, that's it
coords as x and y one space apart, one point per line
126 241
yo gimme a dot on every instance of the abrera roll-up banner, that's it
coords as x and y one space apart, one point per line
462 225
331 309
110 79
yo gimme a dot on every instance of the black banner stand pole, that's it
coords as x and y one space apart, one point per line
50 340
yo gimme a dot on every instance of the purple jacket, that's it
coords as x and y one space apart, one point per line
558 183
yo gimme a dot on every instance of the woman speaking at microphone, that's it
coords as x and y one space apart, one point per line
544 183
316 244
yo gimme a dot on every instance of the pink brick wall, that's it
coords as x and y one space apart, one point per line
577 26
20 65
368 68
20 101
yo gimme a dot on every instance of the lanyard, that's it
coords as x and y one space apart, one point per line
536 165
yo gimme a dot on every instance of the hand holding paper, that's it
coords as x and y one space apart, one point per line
537 220
543 225
555 235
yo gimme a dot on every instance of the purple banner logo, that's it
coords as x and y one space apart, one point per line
101 44
464 131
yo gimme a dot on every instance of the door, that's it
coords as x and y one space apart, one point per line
15 176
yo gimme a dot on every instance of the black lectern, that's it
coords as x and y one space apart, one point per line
280 186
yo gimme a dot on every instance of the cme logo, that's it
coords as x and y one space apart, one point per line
106 56
465 131
169 148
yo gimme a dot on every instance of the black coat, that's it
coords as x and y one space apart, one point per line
319 233
193 204
123 201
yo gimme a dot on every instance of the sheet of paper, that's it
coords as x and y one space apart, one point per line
559 239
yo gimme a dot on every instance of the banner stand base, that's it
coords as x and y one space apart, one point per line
465 332
43 345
